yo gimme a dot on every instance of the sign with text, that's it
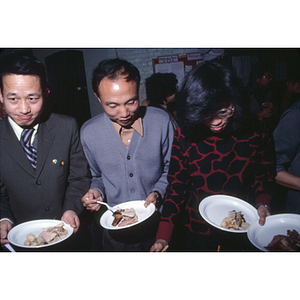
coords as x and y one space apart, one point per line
167 59
194 56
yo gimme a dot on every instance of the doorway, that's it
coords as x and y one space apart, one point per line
67 82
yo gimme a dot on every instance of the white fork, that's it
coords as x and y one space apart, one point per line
108 207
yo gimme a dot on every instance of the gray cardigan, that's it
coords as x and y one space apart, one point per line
123 174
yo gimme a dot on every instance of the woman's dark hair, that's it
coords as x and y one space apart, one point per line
20 64
114 68
159 86
206 89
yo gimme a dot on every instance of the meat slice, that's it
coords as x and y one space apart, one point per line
128 221
123 217
282 242
117 217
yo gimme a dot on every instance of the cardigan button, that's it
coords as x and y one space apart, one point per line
128 157
130 174
47 208
38 182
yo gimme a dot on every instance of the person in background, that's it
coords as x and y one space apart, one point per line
43 170
161 90
218 148
259 91
128 148
287 145
290 93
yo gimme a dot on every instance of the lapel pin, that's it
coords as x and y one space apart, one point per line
54 161
62 163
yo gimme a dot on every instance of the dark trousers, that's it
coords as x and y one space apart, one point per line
110 244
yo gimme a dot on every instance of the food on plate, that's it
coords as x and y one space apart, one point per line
123 217
281 242
235 220
47 236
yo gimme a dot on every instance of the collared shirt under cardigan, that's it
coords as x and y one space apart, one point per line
123 174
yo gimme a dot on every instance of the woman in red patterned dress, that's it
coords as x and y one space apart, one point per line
218 148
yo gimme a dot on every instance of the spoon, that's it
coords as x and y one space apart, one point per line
108 207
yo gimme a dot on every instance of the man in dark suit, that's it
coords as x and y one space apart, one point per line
47 178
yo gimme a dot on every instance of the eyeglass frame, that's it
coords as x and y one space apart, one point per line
229 113
268 77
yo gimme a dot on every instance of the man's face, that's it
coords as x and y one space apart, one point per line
293 87
22 98
119 99
265 80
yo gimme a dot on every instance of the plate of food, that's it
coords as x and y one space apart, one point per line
228 213
39 233
126 215
279 233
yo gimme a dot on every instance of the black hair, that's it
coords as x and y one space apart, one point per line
293 73
20 64
159 86
114 68
206 89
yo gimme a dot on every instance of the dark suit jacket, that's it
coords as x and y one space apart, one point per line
61 179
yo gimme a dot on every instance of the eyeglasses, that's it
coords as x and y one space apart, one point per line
222 113
225 112
268 77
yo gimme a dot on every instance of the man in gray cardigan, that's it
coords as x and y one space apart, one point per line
128 147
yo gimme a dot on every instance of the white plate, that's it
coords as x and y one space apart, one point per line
18 234
261 236
215 208
141 211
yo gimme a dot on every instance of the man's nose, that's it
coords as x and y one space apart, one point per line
123 111
24 107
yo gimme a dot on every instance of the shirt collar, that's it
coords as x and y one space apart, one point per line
137 126
18 129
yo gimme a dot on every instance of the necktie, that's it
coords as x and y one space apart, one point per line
30 151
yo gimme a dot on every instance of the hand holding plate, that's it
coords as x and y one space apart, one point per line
263 212
5 227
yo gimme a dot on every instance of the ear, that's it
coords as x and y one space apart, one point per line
1 97
98 98
47 92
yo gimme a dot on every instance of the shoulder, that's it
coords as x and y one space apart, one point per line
290 119
155 115
293 110
61 121
93 123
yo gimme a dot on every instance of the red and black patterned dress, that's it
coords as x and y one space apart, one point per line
239 165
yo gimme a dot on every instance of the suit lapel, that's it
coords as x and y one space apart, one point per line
12 147
45 139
